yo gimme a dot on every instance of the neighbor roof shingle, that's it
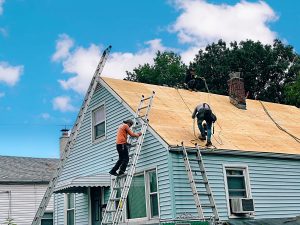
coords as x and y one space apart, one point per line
26 170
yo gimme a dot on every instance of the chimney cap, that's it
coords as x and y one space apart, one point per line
64 130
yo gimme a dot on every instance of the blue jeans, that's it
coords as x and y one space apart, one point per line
202 131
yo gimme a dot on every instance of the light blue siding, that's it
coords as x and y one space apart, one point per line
81 209
89 158
59 209
275 184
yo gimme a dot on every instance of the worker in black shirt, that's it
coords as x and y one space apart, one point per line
190 79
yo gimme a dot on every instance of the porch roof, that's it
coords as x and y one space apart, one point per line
80 184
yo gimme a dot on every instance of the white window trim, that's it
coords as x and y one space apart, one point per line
147 195
247 185
95 141
66 208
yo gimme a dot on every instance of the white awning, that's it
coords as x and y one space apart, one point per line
80 184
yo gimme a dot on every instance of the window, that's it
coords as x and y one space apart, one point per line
237 183
153 193
142 200
136 201
47 218
98 123
70 209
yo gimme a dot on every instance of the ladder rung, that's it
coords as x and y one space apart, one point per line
197 160
111 210
204 193
143 107
141 117
207 206
116 188
200 182
145 99
115 199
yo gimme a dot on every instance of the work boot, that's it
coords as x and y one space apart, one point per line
208 144
113 173
201 137
121 173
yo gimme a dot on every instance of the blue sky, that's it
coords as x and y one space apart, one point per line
49 50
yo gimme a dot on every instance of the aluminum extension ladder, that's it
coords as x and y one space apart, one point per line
204 181
72 139
121 184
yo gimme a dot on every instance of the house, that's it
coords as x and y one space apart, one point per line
253 158
23 181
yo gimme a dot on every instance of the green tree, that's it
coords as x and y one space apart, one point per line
168 69
265 68
292 92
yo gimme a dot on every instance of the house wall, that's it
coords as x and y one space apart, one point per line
25 200
275 184
88 158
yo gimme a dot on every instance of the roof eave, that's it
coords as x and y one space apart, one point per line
209 151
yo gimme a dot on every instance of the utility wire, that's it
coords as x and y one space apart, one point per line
194 121
206 86
279 127
190 112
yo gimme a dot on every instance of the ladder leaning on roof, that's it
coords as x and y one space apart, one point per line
72 139
204 181
121 185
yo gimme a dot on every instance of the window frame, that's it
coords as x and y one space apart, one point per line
145 173
148 194
66 207
245 170
93 110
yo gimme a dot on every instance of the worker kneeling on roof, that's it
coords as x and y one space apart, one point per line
203 113
122 147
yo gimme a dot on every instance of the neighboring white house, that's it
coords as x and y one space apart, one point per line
23 181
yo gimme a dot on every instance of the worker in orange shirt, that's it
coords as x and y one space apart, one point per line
122 147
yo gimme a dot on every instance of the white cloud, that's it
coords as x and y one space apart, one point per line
120 62
82 62
45 116
10 74
63 46
201 23
2 94
63 103
1 6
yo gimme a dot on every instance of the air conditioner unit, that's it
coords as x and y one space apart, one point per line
242 205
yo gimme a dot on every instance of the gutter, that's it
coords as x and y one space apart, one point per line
177 149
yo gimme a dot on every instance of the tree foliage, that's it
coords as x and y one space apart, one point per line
292 92
266 69
167 69
269 71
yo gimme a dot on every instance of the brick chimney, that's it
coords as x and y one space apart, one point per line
63 140
236 90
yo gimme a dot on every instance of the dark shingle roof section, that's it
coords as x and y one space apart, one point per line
26 169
